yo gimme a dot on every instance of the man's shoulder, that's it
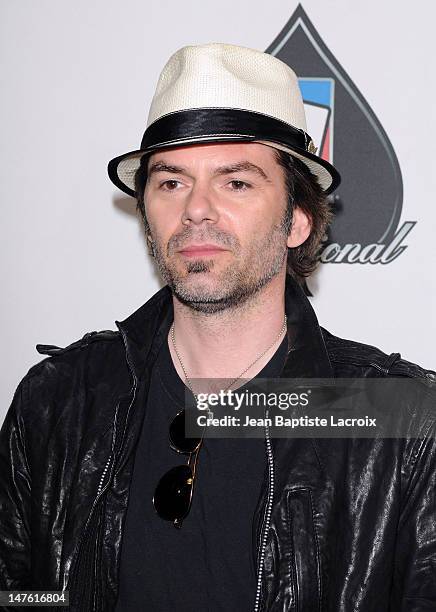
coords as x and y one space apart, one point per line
352 358
97 354
97 338
91 371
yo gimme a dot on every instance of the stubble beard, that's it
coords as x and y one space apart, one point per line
236 283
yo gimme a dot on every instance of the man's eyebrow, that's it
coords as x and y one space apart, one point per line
241 166
160 166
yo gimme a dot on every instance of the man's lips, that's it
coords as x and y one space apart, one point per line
201 249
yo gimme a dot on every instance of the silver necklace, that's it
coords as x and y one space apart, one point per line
173 339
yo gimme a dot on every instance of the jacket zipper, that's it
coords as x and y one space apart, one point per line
266 516
106 467
100 492
100 489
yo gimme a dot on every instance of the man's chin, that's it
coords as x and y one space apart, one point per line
201 301
203 286
204 291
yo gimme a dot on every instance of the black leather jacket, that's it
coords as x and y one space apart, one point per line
342 525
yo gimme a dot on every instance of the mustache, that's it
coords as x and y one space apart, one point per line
214 235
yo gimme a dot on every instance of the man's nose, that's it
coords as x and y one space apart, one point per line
199 206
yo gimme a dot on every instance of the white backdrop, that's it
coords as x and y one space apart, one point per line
76 81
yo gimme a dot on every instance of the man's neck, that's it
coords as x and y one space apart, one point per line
223 344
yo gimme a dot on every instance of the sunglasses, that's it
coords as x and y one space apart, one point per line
173 494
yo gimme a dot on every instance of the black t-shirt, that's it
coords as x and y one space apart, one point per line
208 563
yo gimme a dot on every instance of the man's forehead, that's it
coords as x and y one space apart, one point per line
216 153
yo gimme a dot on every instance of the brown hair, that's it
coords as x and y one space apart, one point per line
303 191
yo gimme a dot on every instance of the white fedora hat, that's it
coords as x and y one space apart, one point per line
225 93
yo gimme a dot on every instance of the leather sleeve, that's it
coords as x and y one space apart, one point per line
15 496
414 588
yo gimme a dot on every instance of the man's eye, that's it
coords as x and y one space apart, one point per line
240 185
169 185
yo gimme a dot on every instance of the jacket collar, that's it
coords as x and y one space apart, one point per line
144 331
307 353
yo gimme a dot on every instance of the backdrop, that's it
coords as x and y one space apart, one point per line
77 80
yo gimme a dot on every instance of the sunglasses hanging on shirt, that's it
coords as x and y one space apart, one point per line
173 495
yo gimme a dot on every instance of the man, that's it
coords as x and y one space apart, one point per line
93 496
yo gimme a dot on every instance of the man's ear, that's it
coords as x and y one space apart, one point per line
300 229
